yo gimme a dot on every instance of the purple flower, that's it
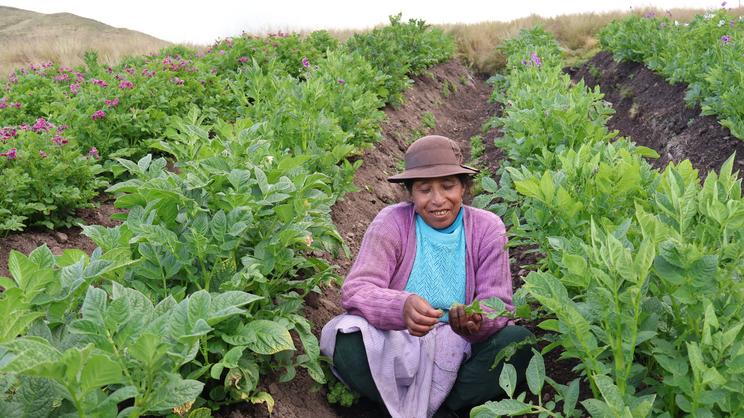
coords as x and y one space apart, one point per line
129 70
723 4
305 62
94 153
74 88
7 133
222 52
649 15
112 103
58 140
17 105
524 61
42 154
63 77
98 82
3 102
98 114
24 127
126 84
243 59
42 125
61 128
725 39
11 154
177 81
341 81
535 59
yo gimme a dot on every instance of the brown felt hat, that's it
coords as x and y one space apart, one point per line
432 156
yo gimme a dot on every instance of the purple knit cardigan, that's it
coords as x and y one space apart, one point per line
374 287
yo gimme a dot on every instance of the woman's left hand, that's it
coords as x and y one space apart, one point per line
463 324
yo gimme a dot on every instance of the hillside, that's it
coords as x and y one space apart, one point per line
28 37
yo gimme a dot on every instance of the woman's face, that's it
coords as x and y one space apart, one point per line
438 200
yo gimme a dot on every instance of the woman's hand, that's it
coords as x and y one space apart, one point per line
463 324
418 315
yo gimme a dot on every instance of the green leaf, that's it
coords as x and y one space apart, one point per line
271 337
508 379
26 353
536 373
36 396
42 257
200 413
570 396
20 268
597 409
99 370
489 184
610 392
505 407
94 306
175 392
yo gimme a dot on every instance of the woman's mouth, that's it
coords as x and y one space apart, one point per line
439 212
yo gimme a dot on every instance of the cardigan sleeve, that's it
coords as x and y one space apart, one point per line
492 277
366 291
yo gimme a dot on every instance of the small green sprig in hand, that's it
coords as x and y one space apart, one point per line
496 307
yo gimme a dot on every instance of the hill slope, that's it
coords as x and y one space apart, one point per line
29 37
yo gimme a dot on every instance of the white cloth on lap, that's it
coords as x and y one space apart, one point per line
414 375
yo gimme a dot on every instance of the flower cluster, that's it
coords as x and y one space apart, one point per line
305 62
534 60
4 103
98 114
94 153
98 82
58 140
177 81
177 64
112 103
148 73
10 155
126 85
7 133
74 88
42 125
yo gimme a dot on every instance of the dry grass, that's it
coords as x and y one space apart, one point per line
576 33
28 37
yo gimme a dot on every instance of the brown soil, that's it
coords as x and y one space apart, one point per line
654 114
61 239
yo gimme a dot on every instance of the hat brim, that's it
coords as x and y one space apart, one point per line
433 171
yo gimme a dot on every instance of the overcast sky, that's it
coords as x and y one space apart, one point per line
203 22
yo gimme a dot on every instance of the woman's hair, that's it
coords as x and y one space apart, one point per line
465 179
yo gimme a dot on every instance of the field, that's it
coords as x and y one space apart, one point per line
223 194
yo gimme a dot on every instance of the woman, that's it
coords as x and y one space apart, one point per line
400 343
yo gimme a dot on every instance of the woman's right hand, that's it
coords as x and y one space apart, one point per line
418 315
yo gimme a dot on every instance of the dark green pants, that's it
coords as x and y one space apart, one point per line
476 382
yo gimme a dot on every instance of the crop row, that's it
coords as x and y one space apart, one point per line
80 120
641 274
707 54
197 295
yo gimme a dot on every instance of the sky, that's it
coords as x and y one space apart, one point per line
202 22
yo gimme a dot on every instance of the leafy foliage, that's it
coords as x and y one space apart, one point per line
641 278
705 54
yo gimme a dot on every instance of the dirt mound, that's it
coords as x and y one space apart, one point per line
654 114
61 239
